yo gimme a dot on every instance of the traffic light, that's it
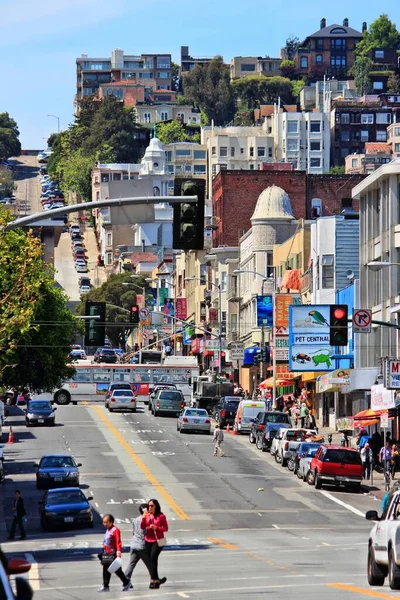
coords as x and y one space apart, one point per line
256 358
188 223
135 314
265 354
338 332
95 329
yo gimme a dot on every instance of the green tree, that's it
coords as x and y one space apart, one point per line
292 43
208 87
51 139
7 183
171 132
175 76
76 174
244 118
337 170
9 137
360 71
381 34
297 86
249 91
288 69
393 84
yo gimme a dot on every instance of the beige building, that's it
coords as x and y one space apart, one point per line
191 264
243 66
148 114
394 139
186 159
291 262
376 155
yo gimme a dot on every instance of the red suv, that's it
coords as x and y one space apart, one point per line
336 465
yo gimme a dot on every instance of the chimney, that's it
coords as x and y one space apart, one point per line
364 26
345 22
323 23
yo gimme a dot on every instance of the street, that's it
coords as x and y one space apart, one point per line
238 526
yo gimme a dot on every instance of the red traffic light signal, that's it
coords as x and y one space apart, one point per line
339 313
338 325
134 314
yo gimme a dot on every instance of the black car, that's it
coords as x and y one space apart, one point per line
65 508
40 412
225 410
265 417
105 355
265 436
57 470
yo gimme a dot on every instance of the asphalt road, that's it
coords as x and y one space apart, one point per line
28 187
240 526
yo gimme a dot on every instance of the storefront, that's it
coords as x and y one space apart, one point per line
332 399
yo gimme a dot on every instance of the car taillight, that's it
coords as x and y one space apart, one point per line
223 413
185 420
158 403
208 421
286 445
112 399
262 427
182 405
132 399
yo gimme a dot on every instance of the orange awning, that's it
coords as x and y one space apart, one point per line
269 383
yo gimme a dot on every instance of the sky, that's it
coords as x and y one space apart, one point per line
40 41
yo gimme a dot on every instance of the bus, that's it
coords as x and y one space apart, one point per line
90 382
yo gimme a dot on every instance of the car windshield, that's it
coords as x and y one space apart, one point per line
232 404
277 418
196 413
65 497
342 456
57 461
122 393
37 405
170 396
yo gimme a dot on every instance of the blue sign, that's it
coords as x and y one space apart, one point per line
264 311
309 348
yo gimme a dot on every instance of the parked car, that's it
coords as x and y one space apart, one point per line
336 465
40 412
56 470
153 390
105 355
225 410
246 413
265 437
287 441
303 459
14 566
265 417
194 419
116 386
65 507
168 402
84 289
84 281
122 400
77 354
383 545
81 268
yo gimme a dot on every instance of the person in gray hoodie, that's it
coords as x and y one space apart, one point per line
138 550
218 439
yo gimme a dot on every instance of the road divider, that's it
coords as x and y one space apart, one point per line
152 479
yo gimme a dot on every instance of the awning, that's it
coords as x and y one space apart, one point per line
269 383
291 280
336 381
310 375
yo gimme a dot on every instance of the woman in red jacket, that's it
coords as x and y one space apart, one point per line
112 548
155 524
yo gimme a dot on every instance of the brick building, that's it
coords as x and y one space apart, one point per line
235 195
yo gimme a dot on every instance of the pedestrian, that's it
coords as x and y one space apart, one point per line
395 461
303 414
279 403
19 514
246 394
218 439
367 459
385 456
154 522
112 549
312 424
138 549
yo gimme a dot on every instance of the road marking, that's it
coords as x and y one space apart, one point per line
33 573
357 590
182 595
274 526
143 467
223 544
348 506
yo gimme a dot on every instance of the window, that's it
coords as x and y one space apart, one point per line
304 62
338 43
251 151
163 75
147 117
251 167
292 145
105 178
232 151
109 239
184 153
213 151
117 177
354 162
315 127
397 147
241 150
168 155
170 169
132 64
377 85
270 152
260 151
292 126
316 208
245 67
163 62
315 163
319 44
381 136
367 119
145 75
379 54
397 131
223 281
223 151
383 118
214 169
315 146
109 258
345 135
345 118
199 154
199 169
328 274
318 59
364 135
338 61
164 116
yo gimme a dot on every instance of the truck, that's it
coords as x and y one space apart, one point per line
206 391
287 441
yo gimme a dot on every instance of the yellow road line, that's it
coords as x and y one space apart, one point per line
149 475
223 544
363 591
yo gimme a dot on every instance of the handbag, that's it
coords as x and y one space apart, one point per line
161 542
115 565
108 559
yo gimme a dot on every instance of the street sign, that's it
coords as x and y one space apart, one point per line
362 318
214 344
392 374
281 354
385 420
236 350
144 314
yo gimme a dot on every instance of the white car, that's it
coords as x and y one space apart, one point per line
75 229
383 545
84 289
305 462
194 419
122 400
287 441
81 268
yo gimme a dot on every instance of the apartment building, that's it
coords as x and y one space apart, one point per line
320 95
376 154
153 70
243 66
302 139
291 261
152 111
186 159
188 62
236 148
394 139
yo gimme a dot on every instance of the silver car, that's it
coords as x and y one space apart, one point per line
305 462
122 400
194 419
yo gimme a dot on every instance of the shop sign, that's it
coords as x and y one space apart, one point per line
181 308
392 374
309 348
381 398
282 303
214 345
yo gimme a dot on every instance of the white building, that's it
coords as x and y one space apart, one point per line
236 148
302 139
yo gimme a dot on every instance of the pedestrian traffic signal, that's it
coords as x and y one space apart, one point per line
95 329
135 314
188 223
338 323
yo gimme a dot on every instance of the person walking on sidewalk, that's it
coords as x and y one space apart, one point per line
19 514
385 456
367 459
218 439
155 524
112 549
304 411
138 547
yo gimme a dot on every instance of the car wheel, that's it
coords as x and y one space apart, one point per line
181 430
290 464
278 458
259 443
394 572
317 482
283 462
310 477
155 413
300 475
252 438
376 573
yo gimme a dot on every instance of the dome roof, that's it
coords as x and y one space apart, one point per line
273 203
154 149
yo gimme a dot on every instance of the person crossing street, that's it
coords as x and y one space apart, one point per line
218 439
19 514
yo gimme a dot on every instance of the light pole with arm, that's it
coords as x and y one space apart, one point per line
238 272
58 121
218 287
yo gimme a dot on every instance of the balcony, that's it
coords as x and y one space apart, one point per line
232 292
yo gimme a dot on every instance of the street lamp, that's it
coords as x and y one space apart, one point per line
58 121
218 287
377 265
272 279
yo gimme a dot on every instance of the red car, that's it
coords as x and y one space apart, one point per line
336 465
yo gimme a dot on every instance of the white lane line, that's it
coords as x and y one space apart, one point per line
96 504
33 573
274 526
182 595
344 504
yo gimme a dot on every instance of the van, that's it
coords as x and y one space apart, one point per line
246 413
168 402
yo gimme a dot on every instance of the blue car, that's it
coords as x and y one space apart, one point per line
65 507
57 470
40 412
